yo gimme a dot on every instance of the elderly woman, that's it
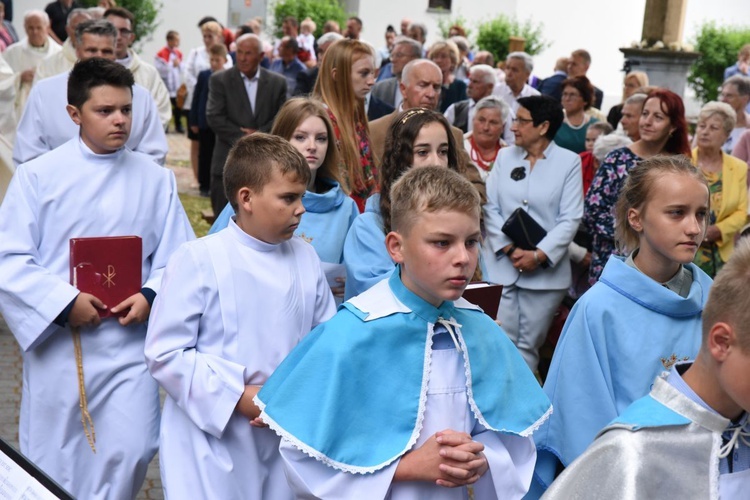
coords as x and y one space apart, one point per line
727 183
544 180
577 98
445 54
633 81
736 92
484 141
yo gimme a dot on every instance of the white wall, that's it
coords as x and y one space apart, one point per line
600 26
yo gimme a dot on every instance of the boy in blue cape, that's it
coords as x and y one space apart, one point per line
410 391
690 437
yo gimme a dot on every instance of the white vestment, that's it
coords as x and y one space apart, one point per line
231 308
7 98
511 458
59 62
147 76
45 123
21 57
72 192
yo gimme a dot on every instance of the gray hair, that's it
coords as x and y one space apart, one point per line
605 144
741 82
406 73
487 72
415 46
722 110
98 27
329 37
37 13
96 12
461 42
254 38
76 13
494 102
527 60
636 99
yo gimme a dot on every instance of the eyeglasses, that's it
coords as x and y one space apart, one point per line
570 96
522 120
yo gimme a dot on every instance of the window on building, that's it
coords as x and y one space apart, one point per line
439 5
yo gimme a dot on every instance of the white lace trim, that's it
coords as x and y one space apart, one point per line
353 469
713 478
475 409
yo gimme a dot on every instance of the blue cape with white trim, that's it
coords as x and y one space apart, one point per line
352 394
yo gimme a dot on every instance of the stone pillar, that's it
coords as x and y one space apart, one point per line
663 21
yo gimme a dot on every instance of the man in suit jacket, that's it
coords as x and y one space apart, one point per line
552 85
404 51
421 81
241 101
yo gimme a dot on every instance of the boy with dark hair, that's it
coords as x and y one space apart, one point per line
410 391
690 437
91 186
232 307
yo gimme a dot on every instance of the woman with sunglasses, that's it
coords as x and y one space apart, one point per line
544 180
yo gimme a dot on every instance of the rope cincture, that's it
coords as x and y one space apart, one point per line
86 420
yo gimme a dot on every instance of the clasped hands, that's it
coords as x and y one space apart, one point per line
85 311
448 458
525 260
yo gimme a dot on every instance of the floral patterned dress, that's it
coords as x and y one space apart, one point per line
599 206
360 191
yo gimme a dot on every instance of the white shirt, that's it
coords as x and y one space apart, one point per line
251 87
504 91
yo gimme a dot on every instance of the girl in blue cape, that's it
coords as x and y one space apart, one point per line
417 137
409 391
329 211
642 316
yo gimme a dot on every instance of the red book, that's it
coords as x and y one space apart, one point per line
108 268
485 295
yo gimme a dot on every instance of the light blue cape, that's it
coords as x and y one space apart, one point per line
353 392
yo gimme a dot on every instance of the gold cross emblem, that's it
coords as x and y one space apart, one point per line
109 277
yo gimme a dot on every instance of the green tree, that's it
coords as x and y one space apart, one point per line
445 23
145 12
319 11
718 46
494 36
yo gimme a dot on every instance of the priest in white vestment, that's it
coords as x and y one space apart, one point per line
24 56
45 123
63 60
145 74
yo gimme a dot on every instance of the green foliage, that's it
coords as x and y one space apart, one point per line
494 36
319 11
145 12
445 23
718 46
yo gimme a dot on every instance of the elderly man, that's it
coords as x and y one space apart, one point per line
518 68
420 85
306 79
736 92
631 115
63 61
24 56
241 101
287 64
578 65
482 81
45 123
418 32
552 85
404 51
144 73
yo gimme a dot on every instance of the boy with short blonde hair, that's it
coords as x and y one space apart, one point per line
233 304
410 390
689 438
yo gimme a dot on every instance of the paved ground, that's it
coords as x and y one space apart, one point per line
10 357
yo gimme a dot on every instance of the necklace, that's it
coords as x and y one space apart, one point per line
476 156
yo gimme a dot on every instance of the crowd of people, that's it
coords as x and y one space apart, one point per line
382 181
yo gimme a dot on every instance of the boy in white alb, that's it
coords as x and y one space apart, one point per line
233 304
91 186
410 392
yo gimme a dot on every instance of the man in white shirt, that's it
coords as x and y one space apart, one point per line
482 80
518 68
144 73
45 123
24 56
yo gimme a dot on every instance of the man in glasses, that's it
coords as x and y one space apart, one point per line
144 73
